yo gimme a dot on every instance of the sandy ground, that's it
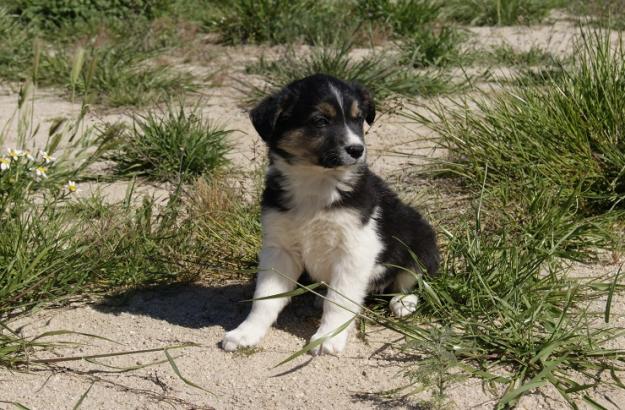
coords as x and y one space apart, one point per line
200 313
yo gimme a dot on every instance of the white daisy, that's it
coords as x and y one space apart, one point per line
14 153
5 164
41 172
71 187
47 158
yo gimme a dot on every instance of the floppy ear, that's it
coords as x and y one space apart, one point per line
366 101
266 114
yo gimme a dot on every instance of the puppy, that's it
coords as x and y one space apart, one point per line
325 212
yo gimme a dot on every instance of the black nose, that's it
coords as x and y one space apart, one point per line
355 151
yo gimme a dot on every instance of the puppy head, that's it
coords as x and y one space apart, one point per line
316 121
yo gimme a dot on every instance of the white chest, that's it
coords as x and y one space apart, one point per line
325 241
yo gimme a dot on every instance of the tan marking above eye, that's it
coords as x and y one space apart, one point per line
327 109
355 109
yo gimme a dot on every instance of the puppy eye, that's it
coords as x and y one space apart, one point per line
320 122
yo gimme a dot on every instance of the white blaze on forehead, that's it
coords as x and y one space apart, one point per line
339 97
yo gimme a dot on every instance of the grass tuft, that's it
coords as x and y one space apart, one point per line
14 56
507 56
505 311
119 65
284 21
566 132
380 73
403 17
54 14
432 47
228 223
500 12
115 75
608 14
171 143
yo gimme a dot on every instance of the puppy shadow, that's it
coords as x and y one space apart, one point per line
195 305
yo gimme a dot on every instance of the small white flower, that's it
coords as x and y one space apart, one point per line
28 155
41 172
5 164
47 158
14 153
71 187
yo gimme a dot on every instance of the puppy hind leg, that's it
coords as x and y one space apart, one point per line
277 272
405 304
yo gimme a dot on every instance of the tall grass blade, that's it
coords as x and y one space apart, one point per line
608 303
296 292
82 397
308 347
185 380
104 355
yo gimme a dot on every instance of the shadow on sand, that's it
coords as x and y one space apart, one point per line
195 305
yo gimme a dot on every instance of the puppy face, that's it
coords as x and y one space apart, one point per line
316 121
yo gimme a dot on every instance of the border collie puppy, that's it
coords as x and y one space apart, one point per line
326 213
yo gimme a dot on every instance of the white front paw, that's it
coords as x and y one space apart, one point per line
333 346
404 305
243 336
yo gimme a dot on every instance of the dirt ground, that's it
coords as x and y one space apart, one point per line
200 313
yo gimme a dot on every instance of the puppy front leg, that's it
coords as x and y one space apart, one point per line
343 301
277 272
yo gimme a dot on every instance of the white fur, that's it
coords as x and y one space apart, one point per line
352 137
337 95
333 245
404 305
311 187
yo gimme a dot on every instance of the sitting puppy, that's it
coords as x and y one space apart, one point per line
325 212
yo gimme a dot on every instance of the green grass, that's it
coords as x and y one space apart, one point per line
432 46
54 14
602 13
114 75
58 245
499 12
361 21
507 56
505 310
402 17
566 132
14 55
171 143
380 73
118 66
283 21
441 47
306 21
49 252
228 225
545 167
